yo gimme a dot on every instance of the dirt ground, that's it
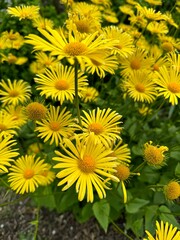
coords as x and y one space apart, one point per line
16 223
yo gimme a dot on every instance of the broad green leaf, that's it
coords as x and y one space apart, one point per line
177 170
135 204
101 211
167 216
138 228
150 217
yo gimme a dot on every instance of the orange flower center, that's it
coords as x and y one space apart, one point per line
87 164
75 48
140 87
167 46
154 155
61 85
2 127
172 190
97 128
28 173
82 26
156 67
36 111
174 87
123 172
96 63
54 126
135 64
13 93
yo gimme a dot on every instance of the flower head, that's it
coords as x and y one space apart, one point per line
8 124
25 175
7 152
36 111
89 94
172 190
14 92
154 155
164 231
58 83
103 123
57 125
88 165
22 12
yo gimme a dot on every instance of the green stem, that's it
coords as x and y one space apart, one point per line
141 33
120 230
139 167
13 202
76 91
37 224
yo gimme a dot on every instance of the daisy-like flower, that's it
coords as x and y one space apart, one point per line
122 152
7 152
35 111
14 92
41 22
168 81
23 12
124 42
164 231
89 94
169 19
172 190
56 126
154 2
150 13
126 9
154 155
8 125
88 165
46 60
103 123
49 175
140 86
158 27
58 83
25 175
72 48
17 113
173 60
105 3
12 59
105 62
13 39
138 60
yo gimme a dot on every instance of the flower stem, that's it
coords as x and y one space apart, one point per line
76 91
139 167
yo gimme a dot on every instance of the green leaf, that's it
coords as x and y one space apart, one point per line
101 211
167 216
177 170
137 227
134 205
150 217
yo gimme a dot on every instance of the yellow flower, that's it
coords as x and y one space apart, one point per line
164 231
172 190
150 13
8 125
46 60
13 39
25 175
154 155
123 45
105 3
103 123
157 27
140 87
58 83
89 94
12 59
22 12
122 152
7 153
49 175
14 92
17 113
138 60
88 165
168 81
36 111
57 125
154 2
72 47
42 23
173 60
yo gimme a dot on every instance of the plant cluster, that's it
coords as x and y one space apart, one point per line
89 109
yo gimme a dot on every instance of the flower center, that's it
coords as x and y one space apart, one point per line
13 93
174 87
36 111
167 46
156 67
61 85
172 190
12 59
82 26
119 46
75 48
122 172
140 87
96 63
154 155
135 64
54 126
2 127
97 128
28 173
87 164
